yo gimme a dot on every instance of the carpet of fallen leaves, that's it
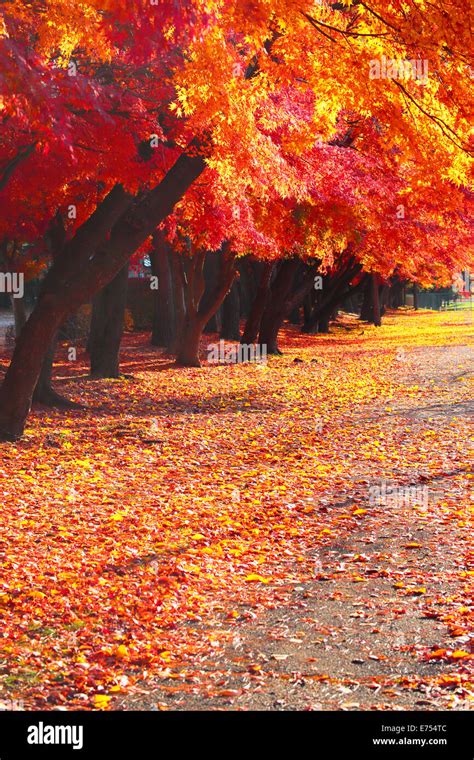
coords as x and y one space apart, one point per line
181 497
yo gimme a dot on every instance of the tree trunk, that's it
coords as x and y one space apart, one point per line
395 295
309 305
284 297
376 316
323 321
276 308
252 325
366 311
370 311
201 305
231 314
188 352
19 314
23 374
315 303
295 316
214 325
212 267
178 301
164 317
415 296
383 296
44 392
249 276
272 320
108 317
336 288
99 250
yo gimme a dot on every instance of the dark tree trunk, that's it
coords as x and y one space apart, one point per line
254 319
44 392
383 295
370 311
201 305
178 301
249 277
214 325
188 351
194 288
164 317
350 304
295 316
231 314
316 303
308 305
108 317
366 312
335 289
415 296
395 294
282 299
330 310
274 313
376 316
272 321
212 266
323 321
99 250
19 314
22 376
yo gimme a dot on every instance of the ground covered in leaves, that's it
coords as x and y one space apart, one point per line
215 539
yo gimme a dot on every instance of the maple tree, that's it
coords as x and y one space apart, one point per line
275 92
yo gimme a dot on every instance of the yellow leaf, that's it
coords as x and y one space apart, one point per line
101 701
254 578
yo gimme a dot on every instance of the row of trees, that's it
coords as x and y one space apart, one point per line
212 293
178 129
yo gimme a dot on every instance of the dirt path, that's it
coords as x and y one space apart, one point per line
380 625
